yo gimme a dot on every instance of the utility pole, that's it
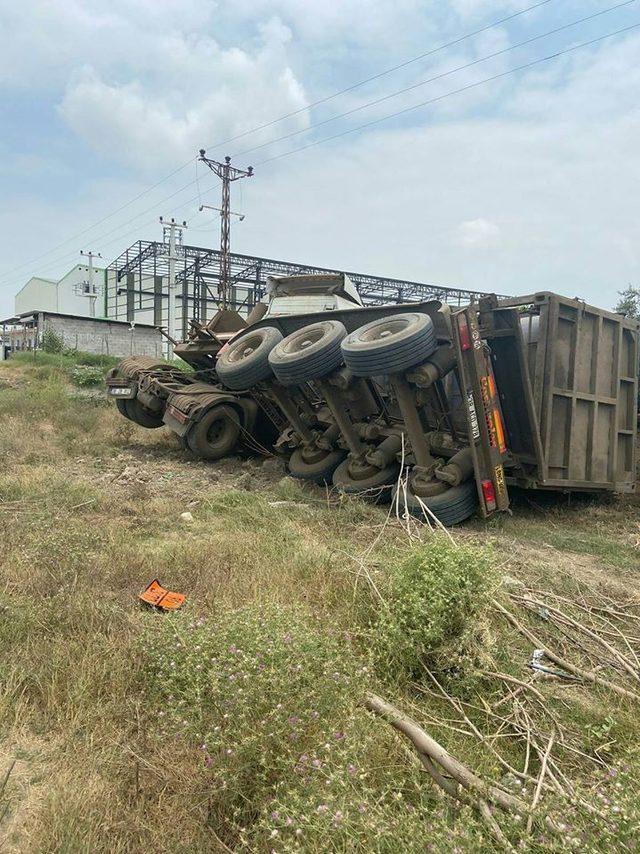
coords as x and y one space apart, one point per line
227 173
172 232
88 287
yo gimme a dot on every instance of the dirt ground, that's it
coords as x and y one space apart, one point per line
91 510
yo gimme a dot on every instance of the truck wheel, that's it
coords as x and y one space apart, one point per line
245 362
309 353
141 415
319 470
451 507
389 345
373 483
122 408
216 434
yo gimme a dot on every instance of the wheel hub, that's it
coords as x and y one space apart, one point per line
423 485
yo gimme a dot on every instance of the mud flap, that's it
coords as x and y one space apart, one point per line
173 418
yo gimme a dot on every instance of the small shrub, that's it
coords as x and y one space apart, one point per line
435 601
86 376
52 342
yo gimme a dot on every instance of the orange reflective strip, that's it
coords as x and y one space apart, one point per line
499 431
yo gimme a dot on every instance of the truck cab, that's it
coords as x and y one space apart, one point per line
308 294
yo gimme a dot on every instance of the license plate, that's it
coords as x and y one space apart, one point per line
122 391
475 428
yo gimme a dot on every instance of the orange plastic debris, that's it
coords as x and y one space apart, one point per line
158 596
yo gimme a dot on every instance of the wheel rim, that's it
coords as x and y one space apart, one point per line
361 470
216 431
302 341
244 348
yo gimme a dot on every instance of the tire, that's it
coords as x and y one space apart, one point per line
374 486
245 361
217 433
390 345
320 471
142 416
309 353
122 408
451 507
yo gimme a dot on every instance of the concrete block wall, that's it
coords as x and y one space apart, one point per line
103 337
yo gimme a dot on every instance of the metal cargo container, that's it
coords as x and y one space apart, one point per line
579 400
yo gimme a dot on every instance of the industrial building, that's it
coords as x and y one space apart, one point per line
134 290
79 292
136 284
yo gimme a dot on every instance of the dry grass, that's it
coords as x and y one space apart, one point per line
90 512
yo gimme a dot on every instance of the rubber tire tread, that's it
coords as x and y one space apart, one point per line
320 472
451 507
122 409
240 377
376 482
141 416
322 362
197 436
393 355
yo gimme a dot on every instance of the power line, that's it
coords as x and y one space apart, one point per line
100 221
72 254
316 103
436 77
390 70
450 94
439 98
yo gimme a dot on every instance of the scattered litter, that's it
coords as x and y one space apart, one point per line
536 664
186 517
158 596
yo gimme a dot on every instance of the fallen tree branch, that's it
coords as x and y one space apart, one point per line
506 678
543 771
429 747
622 660
585 675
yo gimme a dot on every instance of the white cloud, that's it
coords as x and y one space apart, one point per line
478 233
201 97
525 184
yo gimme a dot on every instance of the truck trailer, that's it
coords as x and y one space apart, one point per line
436 408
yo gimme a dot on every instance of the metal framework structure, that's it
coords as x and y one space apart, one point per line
136 284
227 174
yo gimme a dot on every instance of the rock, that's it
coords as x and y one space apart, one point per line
510 781
273 465
287 482
186 517
244 481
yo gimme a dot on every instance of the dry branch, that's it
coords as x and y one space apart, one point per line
428 747
586 675
624 662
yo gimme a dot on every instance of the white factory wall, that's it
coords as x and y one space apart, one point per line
38 294
65 295
71 288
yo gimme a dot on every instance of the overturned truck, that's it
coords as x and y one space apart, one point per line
439 409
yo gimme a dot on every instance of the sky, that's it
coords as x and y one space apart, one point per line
528 182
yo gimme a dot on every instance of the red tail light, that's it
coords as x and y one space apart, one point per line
489 495
463 329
